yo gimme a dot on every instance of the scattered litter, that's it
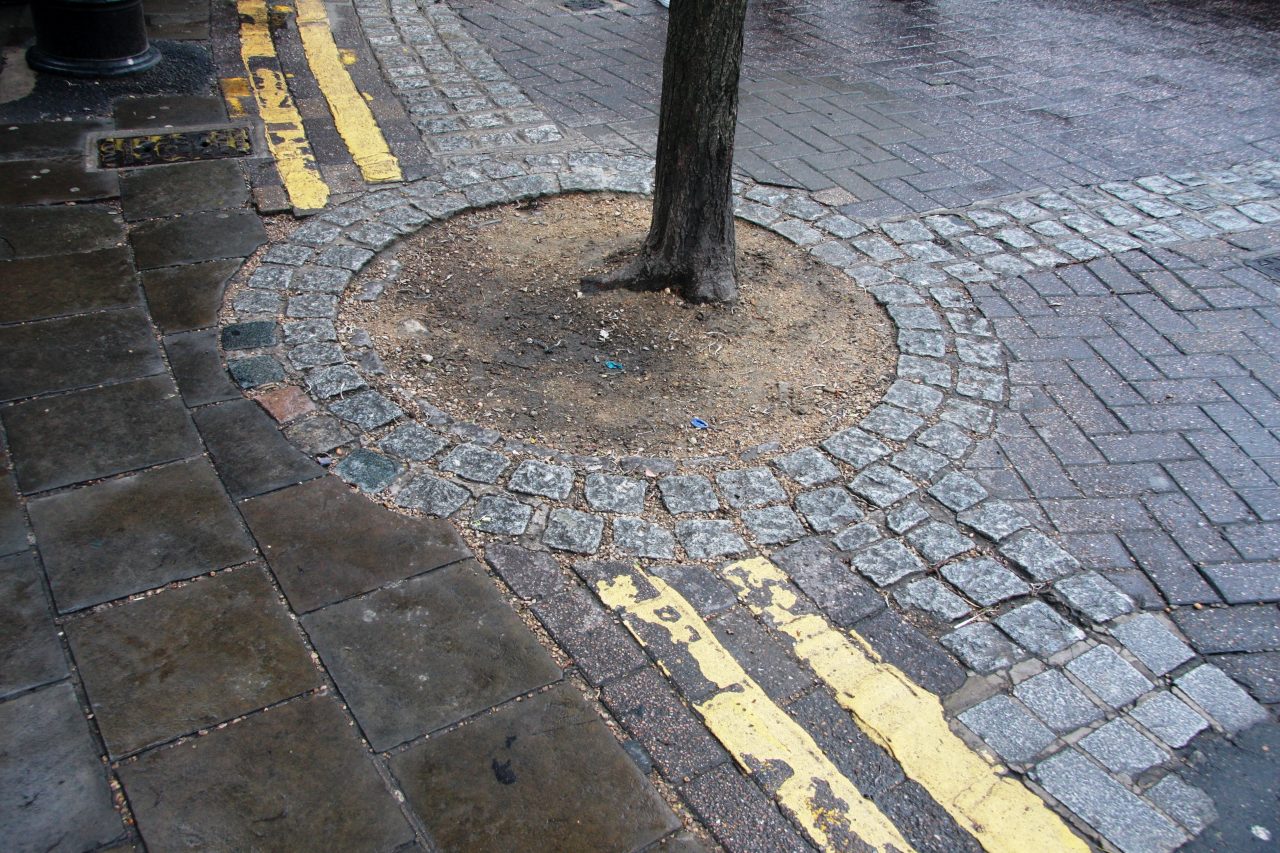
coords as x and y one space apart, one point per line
698 423
325 460
613 365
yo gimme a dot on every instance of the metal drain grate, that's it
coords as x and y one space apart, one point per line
1269 265
153 149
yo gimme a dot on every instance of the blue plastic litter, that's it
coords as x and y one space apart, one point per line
698 423
613 365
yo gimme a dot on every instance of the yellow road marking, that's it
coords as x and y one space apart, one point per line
286 136
351 114
757 732
236 91
1002 814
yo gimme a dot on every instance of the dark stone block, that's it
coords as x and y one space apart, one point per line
865 764
326 543
197 237
250 453
652 712
47 139
155 112
602 649
923 822
255 371
37 288
74 352
818 570
99 432
739 814
367 470
187 297
270 781
517 780
13 525
197 367
915 653
53 181
252 335
182 188
31 231
29 642
53 785
399 687
170 664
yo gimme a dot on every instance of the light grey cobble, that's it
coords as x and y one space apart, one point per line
1008 728
1058 702
1109 676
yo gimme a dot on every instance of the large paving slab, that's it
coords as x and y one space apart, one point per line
478 653
197 367
99 432
249 452
37 288
13 525
197 237
291 777
108 540
52 181
33 231
182 188
54 793
187 658
326 543
187 297
29 644
516 779
46 139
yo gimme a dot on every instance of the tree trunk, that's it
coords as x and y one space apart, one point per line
690 246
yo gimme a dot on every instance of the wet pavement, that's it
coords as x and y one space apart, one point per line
1028 601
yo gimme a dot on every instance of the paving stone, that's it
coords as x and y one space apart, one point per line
600 647
1258 671
856 536
1008 728
331 381
912 651
367 470
905 516
773 525
817 569
808 466
887 562
53 785
412 443
855 447
707 593
611 493
318 434
572 530
309 332
249 451
62 230
642 538
197 368
298 771
532 477
366 409
1242 583
432 495
917 462
982 648
1057 701
688 493
1093 596
1040 556
1231 629
317 354
476 463
1039 629
498 514
400 688
1109 676
1224 700
182 188
1169 719
252 335
752 487
530 574
933 597
28 637
1187 804
531 750
25 182
984 580
881 486
1120 748
255 371
1101 802
170 664
994 519
648 708
320 279
197 237
38 288
1151 641
95 433
938 542
891 422
947 439
321 306
958 492
703 540
325 543
828 509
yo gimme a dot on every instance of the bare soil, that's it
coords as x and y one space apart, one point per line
487 321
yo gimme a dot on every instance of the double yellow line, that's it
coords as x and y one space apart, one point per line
286 135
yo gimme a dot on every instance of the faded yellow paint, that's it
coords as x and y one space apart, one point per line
757 732
908 721
351 114
286 136
236 92
348 57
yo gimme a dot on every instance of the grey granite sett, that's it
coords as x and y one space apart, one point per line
979 353
367 409
315 233
1058 702
828 509
751 487
1187 804
252 335
309 331
256 303
915 342
641 538
835 253
1040 556
271 277
1170 719
971 382
318 434
412 442
773 525
1093 596
995 520
321 279
1121 748
840 226
371 472
1109 676
1039 629
878 249
304 305
573 530
855 447
287 253
808 466
1221 698
928 252
473 462
915 317
345 257
1151 641
432 495
933 597
1016 237
978 244
1008 728
913 396
918 462
969 323
532 477
502 515
703 540
982 648
881 485
255 371
374 235
947 225
972 416
897 294
945 438
891 422
888 562
688 493
907 231
984 580
319 354
938 542
612 493
856 536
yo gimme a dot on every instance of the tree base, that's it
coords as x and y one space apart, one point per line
710 282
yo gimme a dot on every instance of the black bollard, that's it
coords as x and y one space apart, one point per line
90 38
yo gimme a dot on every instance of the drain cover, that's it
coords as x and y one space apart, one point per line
1269 265
584 5
153 149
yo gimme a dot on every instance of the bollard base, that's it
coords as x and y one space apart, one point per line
90 38
116 67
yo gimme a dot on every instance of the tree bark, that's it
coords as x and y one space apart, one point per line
690 246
